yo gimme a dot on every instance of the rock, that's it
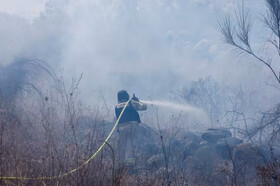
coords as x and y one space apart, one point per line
225 146
156 160
212 135
188 136
161 172
145 140
229 141
204 159
190 148
249 154
186 143
206 153
246 157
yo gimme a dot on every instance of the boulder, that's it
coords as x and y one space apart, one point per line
246 158
185 144
145 139
188 136
212 135
157 160
224 146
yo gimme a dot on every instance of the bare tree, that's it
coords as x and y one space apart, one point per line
207 94
237 33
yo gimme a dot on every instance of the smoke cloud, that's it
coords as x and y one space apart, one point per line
146 47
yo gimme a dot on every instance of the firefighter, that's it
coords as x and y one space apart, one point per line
128 125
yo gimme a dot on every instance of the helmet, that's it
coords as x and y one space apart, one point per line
123 96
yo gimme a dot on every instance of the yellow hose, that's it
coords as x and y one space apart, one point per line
74 170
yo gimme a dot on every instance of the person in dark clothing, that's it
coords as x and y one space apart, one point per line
128 125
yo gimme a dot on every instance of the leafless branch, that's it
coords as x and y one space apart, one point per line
238 35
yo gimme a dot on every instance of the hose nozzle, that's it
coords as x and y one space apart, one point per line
135 98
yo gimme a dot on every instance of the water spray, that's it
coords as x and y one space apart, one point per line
175 106
195 115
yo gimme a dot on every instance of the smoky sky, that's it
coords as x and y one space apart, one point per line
146 47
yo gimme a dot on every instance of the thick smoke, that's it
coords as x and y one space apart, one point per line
167 52
20 75
146 47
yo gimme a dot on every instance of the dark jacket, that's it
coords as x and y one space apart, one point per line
130 113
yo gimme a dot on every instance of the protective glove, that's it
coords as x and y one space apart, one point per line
134 98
